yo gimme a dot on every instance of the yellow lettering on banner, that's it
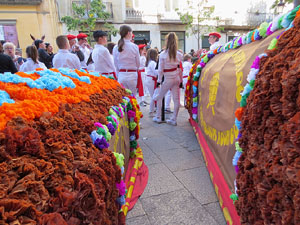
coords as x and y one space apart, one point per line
239 87
239 59
227 216
213 90
232 135
116 141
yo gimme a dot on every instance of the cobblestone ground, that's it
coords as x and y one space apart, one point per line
179 189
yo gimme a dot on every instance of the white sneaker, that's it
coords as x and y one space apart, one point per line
171 122
156 120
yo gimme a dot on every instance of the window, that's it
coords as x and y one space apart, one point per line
181 39
171 5
140 37
132 4
8 33
205 43
129 4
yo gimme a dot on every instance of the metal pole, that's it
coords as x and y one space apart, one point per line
163 110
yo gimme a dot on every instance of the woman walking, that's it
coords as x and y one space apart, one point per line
169 68
127 59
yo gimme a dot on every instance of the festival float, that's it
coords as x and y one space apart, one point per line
244 105
69 152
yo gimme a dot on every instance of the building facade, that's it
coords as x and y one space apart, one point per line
20 18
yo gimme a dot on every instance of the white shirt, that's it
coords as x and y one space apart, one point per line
86 52
30 65
166 63
102 60
214 46
65 59
142 62
150 69
187 66
129 58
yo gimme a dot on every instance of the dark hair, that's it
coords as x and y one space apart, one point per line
37 43
1 47
151 55
110 47
99 33
61 41
90 60
172 45
47 44
124 30
32 53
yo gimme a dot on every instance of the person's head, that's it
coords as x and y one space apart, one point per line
192 50
62 42
152 54
39 44
100 37
32 53
110 47
72 39
49 47
187 57
18 52
142 49
125 33
82 38
9 49
213 37
172 45
132 38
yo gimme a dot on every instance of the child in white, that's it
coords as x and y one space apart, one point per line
101 56
151 76
127 59
32 62
187 66
64 58
141 98
169 61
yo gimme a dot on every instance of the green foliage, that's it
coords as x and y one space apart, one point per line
85 15
195 17
276 2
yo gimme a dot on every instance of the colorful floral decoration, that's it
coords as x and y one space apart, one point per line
265 185
55 128
264 30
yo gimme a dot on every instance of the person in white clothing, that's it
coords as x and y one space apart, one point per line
151 76
127 59
141 75
32 62
169 68
84 47
64 58
100 55
213 39
187 66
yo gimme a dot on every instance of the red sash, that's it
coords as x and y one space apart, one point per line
140 83
169 70
154 78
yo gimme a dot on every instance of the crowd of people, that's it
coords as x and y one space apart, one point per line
139 68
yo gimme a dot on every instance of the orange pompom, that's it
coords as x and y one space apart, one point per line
195 83
239 113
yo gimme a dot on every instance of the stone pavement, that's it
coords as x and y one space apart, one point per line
179 189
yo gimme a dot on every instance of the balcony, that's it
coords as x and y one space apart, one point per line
20 2
133 14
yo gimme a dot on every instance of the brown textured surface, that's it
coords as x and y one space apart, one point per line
50 171
269 177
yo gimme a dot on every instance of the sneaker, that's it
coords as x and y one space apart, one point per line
142 104
156 120
146 103
171 122
168 111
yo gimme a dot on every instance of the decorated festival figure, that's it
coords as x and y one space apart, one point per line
65 59
151 76
127 59
101 56
213 40
169 68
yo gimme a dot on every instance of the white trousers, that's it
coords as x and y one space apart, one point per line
168 100
150 86
128 80
173 85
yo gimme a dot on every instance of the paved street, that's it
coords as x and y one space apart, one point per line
179 189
